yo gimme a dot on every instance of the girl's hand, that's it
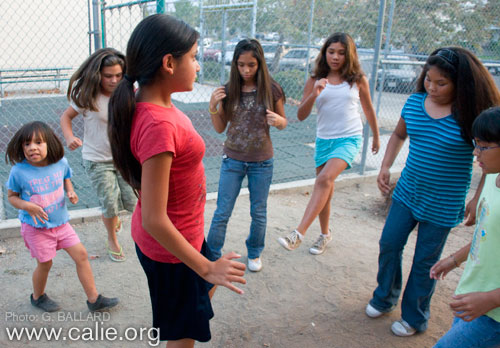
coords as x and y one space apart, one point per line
273 119
72 196
375 145
225 271
217 95
442 268
472 305
470 212
383 180
74 143
319 86
36 212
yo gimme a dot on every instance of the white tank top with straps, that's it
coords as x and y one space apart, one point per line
338 112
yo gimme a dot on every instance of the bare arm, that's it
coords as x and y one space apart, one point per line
369 111
444 266
277 118
154 198
470 208
394 145
70 191
216 111
67 128
311 91
35 211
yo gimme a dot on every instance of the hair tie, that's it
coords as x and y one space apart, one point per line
450 56
129 79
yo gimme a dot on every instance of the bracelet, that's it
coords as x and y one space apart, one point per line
454 260
212 112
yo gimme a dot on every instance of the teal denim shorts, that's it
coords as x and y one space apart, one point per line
344 148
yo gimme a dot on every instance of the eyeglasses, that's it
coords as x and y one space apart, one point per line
483 148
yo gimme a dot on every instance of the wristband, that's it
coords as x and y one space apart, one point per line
454 260
212 112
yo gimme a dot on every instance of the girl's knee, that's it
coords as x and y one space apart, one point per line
78 253
325 181
45 266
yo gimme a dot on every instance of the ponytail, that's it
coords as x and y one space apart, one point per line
153 38
120 115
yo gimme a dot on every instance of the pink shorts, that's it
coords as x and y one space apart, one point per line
43 243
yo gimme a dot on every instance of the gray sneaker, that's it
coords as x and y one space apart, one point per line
319 246
290 242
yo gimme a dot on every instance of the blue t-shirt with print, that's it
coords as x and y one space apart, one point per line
43 186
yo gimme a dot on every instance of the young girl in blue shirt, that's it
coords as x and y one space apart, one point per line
36 186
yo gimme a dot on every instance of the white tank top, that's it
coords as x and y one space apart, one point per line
338 112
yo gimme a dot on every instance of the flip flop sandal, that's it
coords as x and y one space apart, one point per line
116 256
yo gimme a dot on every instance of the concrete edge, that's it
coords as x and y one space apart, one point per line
10 228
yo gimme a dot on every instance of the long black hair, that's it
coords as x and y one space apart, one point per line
263 79
152 39
475 89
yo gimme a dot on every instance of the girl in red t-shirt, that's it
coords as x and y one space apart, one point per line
159 153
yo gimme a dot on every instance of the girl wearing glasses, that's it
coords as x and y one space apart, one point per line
476 303
452 90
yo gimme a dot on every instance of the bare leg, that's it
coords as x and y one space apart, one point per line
40 276
79 254
110 224
183 343
324 215
322 194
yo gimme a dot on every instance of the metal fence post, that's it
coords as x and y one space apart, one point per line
160 6
373 80
201 48
309 35
96 31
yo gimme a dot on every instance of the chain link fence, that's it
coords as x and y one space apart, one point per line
44 41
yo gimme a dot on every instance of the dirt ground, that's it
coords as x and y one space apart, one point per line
297 300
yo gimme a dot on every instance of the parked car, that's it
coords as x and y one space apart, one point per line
296 58
213 52
397 76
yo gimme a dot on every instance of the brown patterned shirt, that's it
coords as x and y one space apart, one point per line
248 137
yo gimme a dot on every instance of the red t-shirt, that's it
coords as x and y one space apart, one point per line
156 129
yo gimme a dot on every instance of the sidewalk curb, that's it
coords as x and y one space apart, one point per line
10 228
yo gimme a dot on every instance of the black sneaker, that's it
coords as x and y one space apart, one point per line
102 303
45 303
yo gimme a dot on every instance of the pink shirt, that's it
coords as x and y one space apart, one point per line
156 129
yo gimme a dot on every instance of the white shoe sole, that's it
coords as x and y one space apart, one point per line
284 244
400 330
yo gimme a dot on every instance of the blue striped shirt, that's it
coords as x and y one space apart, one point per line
437 174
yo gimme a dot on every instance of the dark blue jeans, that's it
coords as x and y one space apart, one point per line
419 287
232 173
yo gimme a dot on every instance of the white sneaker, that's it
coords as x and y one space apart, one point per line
319 246
255 265
372 312
290 242
402 328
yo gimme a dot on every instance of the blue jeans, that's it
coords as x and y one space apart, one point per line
232 173
420 287
482 332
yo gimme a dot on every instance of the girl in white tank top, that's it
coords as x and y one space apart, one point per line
339 87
